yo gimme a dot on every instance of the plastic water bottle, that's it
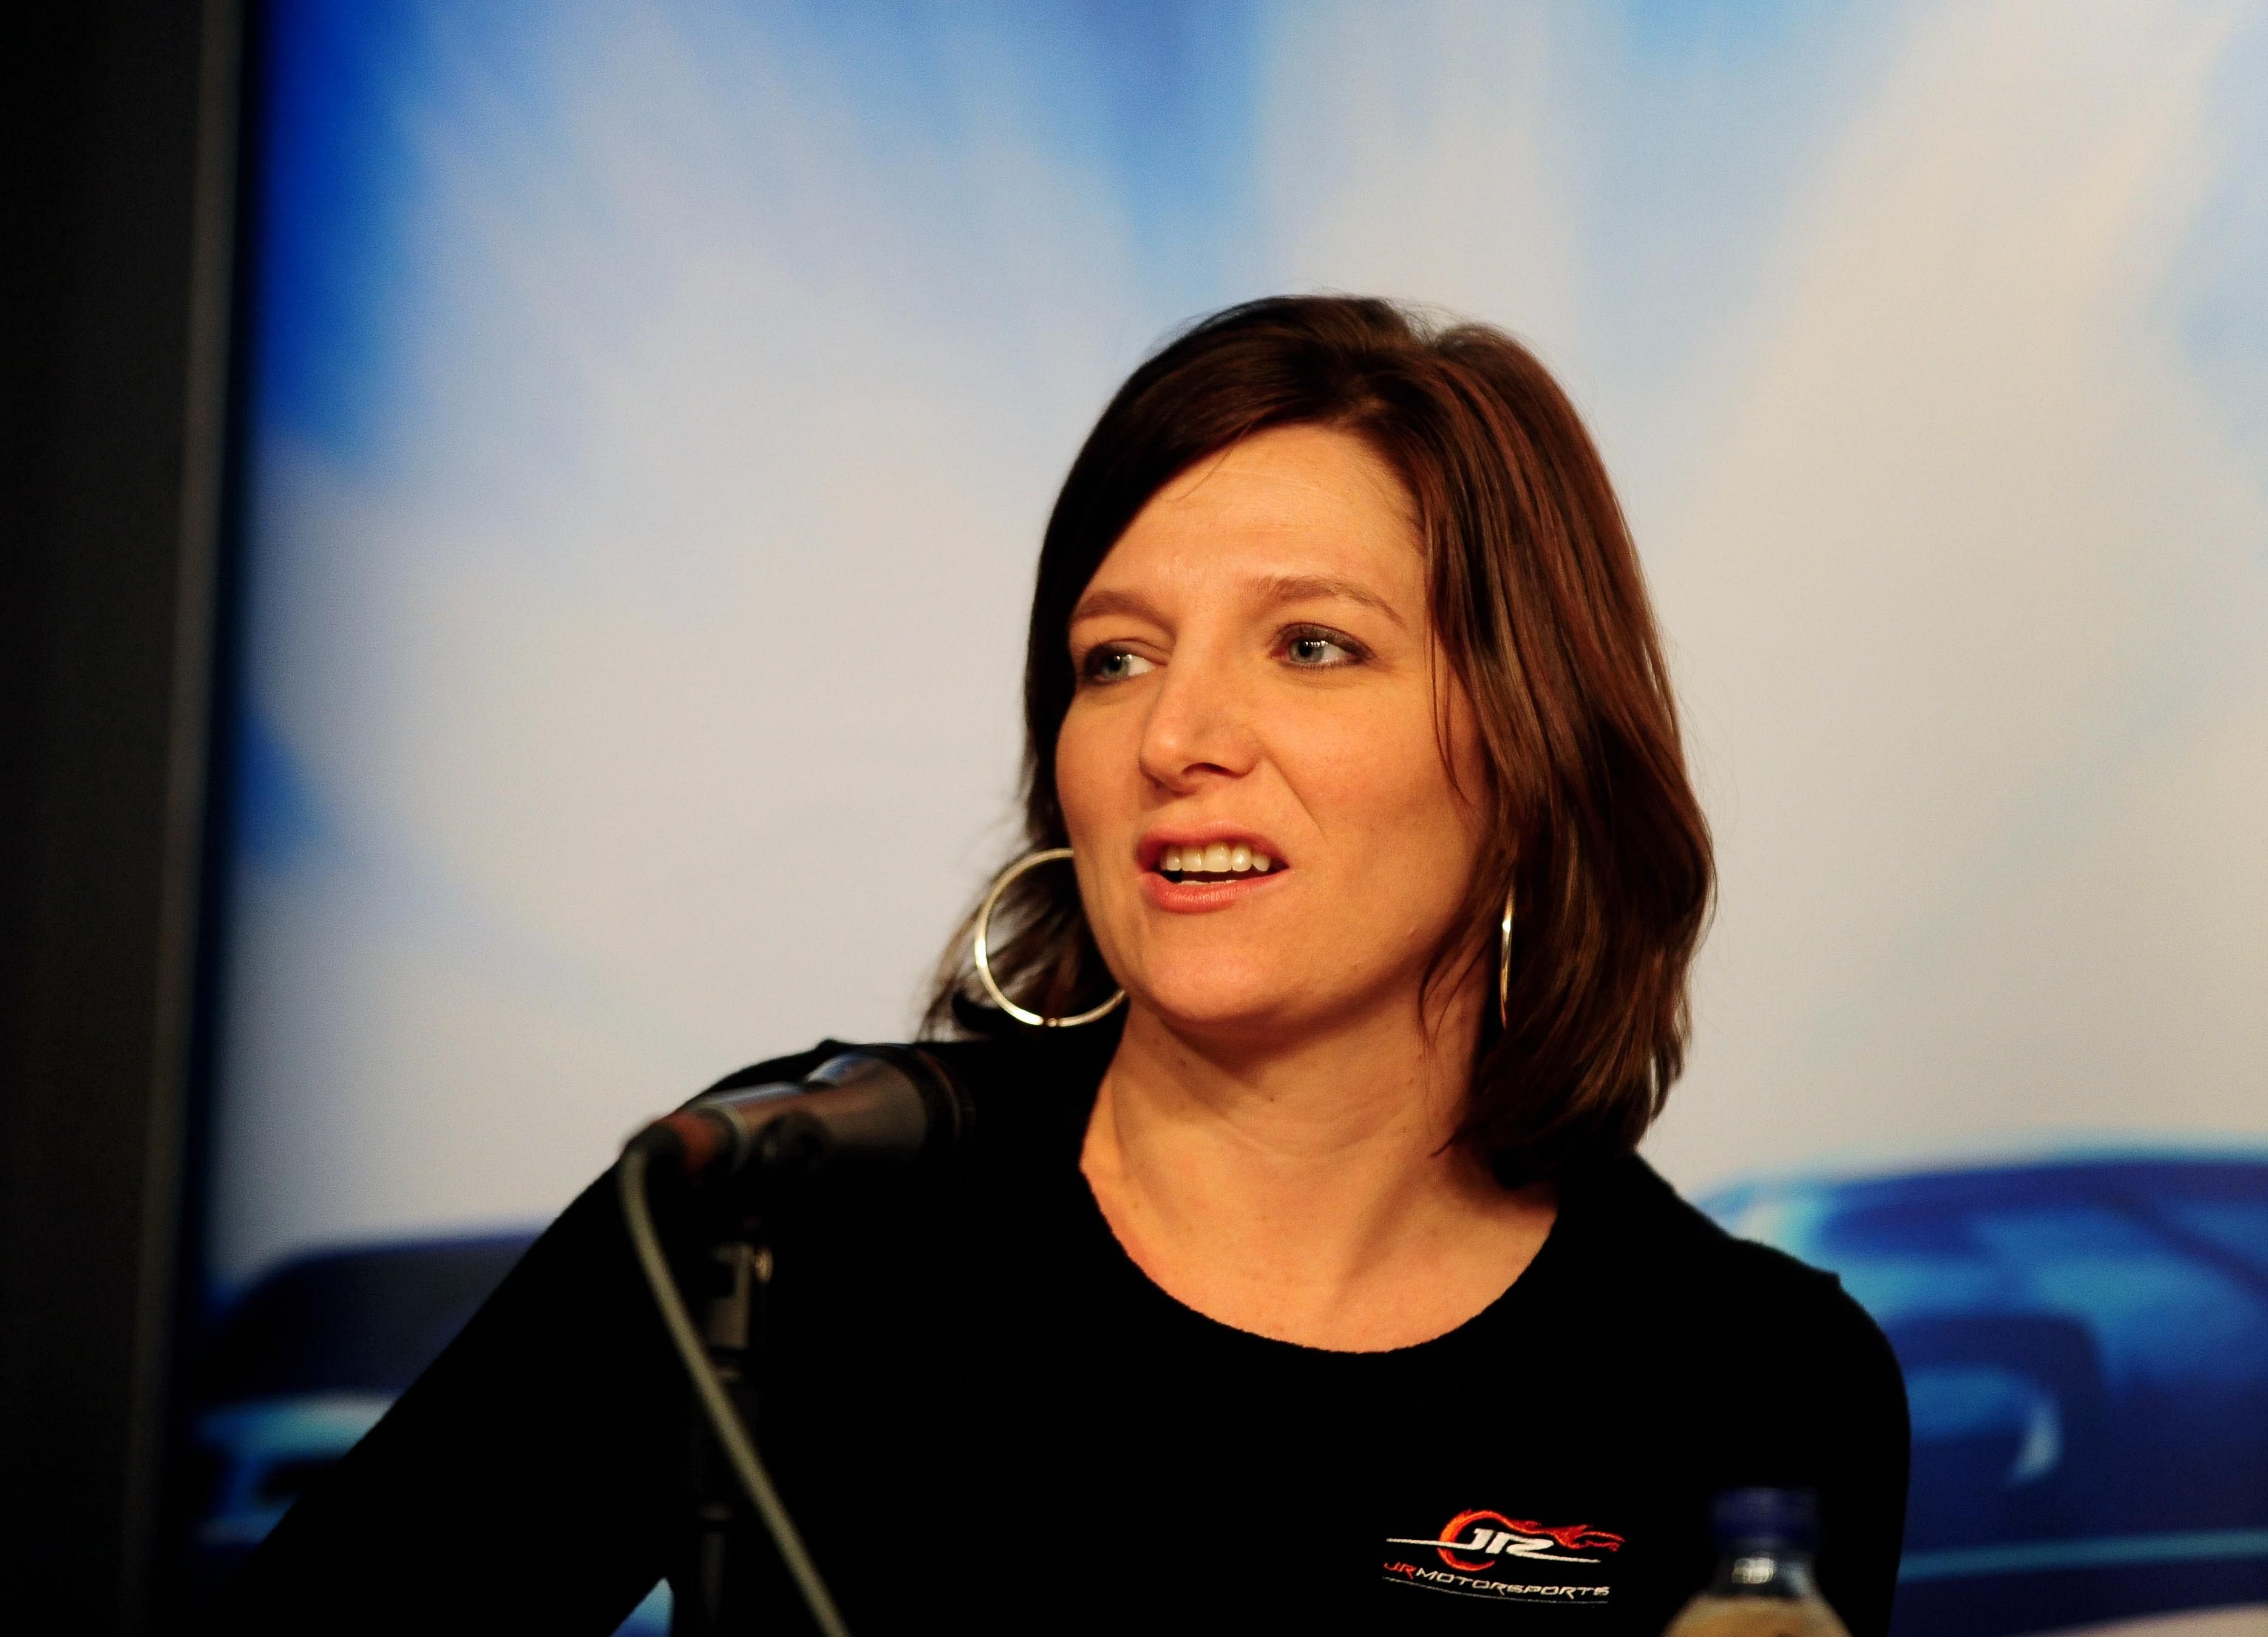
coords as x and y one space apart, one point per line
1763 1585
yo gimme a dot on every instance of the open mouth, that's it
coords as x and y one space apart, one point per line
1222 861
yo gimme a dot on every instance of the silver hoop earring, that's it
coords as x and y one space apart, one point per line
1504 965
1030 860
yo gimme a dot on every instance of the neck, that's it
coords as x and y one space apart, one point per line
1310 1192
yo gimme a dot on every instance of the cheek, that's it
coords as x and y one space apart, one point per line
1402 844
1456 769
1086 773
1411 808
1379 773
1092 769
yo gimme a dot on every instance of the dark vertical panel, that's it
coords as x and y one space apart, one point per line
118 169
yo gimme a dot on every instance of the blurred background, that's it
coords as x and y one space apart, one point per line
528 517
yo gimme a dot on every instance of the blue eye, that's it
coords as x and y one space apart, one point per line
1115 665
1320 650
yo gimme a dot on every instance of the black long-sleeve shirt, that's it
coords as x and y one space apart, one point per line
976 1406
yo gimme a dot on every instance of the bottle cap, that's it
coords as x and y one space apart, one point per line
1767 1517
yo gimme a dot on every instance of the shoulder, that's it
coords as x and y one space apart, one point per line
779 1071
1006 1069
1765 1312
1030 1093
1625 1212
1032 1087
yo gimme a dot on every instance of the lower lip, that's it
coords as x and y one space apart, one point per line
1197 897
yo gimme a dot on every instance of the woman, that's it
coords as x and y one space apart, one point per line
1301 1270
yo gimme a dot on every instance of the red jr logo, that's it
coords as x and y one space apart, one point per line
1492 1536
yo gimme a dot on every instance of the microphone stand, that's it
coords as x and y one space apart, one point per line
717 1595
881 1112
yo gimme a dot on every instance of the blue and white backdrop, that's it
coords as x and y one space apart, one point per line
653 410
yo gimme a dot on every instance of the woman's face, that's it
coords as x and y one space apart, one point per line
1258 683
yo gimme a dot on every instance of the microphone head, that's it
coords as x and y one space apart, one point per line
894 1073
877 1115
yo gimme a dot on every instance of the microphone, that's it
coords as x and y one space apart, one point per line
875 1116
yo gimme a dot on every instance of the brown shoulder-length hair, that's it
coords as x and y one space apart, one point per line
1589 822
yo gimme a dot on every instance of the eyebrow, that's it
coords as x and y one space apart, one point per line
1319 587
1278 588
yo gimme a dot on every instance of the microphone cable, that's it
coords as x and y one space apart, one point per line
724 1419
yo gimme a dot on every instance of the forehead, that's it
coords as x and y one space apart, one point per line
1291 498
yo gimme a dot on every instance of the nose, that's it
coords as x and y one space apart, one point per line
1199 726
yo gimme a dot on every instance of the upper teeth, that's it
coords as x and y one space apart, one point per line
1220 859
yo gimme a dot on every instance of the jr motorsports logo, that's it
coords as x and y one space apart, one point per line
1487 1555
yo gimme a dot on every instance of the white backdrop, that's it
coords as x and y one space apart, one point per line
656 409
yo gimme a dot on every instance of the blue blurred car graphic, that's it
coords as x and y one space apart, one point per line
263 1453
305 1363
2085 1345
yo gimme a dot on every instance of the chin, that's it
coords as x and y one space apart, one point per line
1214 1008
